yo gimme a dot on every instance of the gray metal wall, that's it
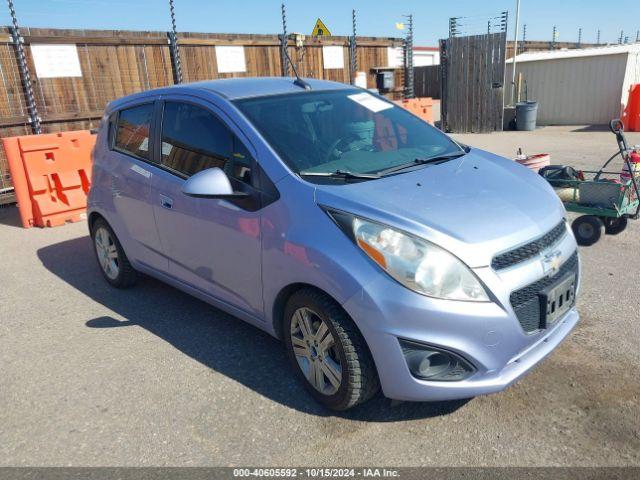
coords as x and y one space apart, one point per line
632 76
575 91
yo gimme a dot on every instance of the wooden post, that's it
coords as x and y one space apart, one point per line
519 94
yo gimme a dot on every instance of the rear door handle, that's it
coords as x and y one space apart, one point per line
166 202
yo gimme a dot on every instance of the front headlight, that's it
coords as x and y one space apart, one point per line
416 263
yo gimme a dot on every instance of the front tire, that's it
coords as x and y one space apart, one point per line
113 262
327 351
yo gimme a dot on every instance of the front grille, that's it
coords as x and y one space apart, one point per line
529 250
526 301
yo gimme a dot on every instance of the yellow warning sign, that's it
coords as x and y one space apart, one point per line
320 30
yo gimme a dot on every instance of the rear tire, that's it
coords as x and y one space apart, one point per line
112 260
327 351
587 229
614 226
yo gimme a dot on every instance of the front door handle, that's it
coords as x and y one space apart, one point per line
166 202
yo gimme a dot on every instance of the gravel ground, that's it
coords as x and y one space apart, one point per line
93 376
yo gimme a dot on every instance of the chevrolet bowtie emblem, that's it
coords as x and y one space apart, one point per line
551 262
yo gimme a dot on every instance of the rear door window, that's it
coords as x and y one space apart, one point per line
132 131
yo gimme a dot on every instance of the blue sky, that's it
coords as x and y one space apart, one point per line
375 17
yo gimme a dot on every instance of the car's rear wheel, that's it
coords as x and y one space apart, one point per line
113 262
328 352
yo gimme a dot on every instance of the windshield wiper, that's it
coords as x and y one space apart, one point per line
422 161
341 174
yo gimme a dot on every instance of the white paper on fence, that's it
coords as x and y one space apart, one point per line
230 59
361 79
332 57
395 57
370 102
53 61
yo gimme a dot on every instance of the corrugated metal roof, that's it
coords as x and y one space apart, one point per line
578 52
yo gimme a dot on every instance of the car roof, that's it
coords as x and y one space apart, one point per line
236 88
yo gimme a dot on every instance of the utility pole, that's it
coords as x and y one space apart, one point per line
580 37
515 54
598 40
554 37
621 37
637 36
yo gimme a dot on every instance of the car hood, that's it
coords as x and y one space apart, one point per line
474 206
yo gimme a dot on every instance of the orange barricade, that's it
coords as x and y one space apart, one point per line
422 107
51 175
631 115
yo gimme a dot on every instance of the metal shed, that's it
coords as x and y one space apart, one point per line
579 87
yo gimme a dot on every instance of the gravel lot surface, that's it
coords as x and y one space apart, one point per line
94 376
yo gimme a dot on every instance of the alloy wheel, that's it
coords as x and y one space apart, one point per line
107 253
315 351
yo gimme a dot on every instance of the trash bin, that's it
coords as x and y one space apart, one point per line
526 114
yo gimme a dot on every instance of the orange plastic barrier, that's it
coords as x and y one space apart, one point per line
422 107
631 115
51 175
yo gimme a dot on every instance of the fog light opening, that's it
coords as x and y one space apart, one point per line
429 363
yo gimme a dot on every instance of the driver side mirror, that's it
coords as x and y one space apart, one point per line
210 183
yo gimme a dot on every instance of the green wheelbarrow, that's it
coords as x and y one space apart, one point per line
605 199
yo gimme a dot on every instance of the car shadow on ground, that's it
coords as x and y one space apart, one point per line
210 336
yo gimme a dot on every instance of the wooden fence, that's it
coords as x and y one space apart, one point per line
426 81
473 70
118 63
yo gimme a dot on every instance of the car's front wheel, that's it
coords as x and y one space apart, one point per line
328 352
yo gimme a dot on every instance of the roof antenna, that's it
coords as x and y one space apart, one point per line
298 81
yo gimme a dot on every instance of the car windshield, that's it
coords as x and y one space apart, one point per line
350 132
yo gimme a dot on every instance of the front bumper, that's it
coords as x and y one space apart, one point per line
488 335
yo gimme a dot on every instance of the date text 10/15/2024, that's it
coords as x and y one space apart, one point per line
315 472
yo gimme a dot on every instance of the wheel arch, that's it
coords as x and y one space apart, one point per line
283 297
93 216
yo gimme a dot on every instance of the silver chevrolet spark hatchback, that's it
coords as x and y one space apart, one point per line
383 253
